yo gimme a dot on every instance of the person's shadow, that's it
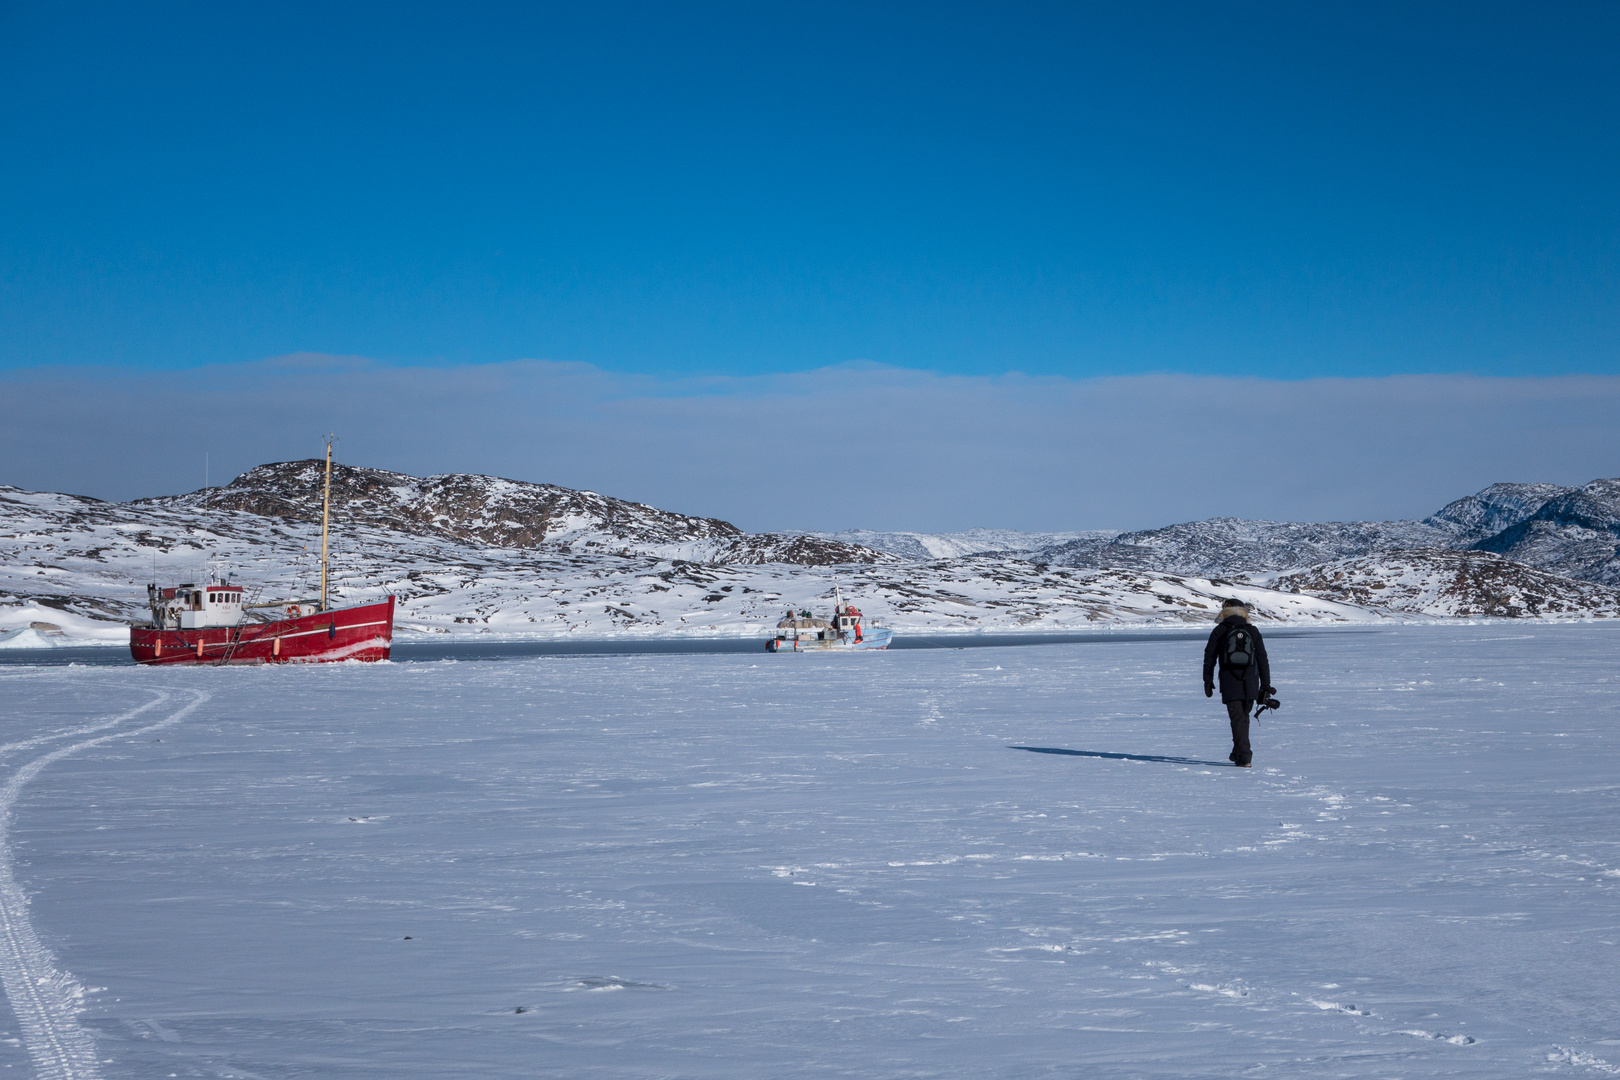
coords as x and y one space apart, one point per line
1161 758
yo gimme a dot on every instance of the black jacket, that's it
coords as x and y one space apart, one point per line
1242 685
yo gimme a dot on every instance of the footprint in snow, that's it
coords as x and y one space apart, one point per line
1346 1008
611 982
1440 1036
1224 989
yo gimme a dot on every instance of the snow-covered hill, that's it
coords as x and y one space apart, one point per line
1235 546
503 513
474 554
92 559
1432 581
1485 513
1574 532
922 547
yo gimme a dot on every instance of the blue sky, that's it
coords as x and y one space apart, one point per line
1284 191
1030 266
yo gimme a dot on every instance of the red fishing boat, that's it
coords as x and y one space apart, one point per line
210 624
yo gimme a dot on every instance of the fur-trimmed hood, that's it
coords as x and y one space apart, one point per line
1233 607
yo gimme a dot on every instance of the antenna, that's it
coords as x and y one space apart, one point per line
208 501
326 513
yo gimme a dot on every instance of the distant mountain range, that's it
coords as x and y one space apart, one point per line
1574 532
482 554
923 547
1570 531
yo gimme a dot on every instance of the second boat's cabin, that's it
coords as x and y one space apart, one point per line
801 625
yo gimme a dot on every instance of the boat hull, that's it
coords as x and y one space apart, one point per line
358 633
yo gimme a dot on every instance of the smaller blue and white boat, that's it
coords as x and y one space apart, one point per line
848 630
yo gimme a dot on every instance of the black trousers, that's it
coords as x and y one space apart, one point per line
1238 711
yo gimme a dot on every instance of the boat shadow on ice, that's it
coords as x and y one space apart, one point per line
1163 759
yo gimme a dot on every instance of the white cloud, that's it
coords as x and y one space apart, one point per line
856 445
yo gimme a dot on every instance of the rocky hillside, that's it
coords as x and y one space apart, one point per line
1574 532
1451 584
503 513
1480 516
1235 546
922 547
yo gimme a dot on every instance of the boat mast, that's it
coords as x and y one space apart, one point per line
326 507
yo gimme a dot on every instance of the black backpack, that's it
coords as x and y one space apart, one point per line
1238 652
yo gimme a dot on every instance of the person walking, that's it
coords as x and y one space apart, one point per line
1236 647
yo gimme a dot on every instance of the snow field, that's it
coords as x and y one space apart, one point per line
1019 862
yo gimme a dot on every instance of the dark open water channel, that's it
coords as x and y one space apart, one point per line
418 651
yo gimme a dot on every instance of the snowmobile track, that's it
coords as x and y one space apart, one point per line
45 998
